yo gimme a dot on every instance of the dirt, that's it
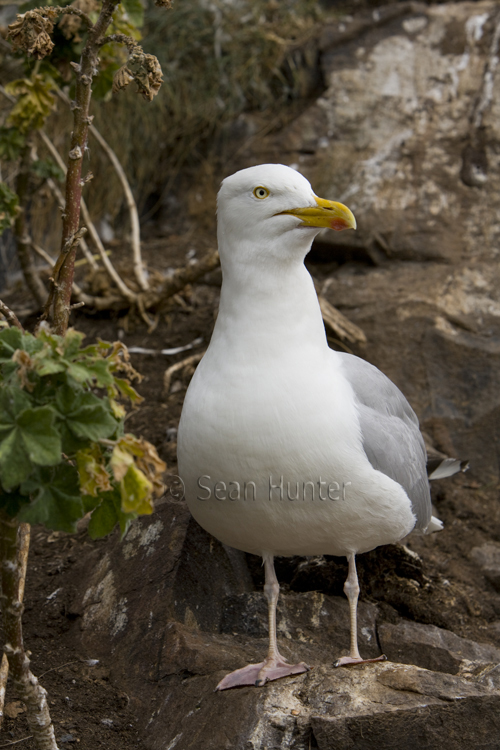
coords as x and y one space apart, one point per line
88 710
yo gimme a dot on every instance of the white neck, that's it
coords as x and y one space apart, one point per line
267 305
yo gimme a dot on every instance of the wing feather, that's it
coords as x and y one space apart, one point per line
391 434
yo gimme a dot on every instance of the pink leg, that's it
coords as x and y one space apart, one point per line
351 588
274 666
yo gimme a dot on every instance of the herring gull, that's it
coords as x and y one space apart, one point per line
285 446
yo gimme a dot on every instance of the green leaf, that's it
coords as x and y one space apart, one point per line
80 372
56 498
108 514
90 502
13 401
10 340
72 342
86 415
104 518
27 437
15 465
40 437
100 371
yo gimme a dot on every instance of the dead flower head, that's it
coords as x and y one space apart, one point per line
145 70
164 3
31 32
70 25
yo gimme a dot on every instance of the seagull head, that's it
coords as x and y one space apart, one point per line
272 210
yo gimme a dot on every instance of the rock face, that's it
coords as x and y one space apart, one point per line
407 133
488 558
171 611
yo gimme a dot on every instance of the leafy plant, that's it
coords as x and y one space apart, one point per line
63 451
63 454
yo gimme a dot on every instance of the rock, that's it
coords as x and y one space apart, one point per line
474 722
432 647
377 705
487 557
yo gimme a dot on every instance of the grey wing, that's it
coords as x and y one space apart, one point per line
391 433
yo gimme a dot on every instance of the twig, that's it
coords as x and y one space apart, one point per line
165 352
167 378
22 556
129 198
16 742
182 277
10 316
53 669
343 327
76 289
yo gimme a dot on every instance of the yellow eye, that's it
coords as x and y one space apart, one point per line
261 192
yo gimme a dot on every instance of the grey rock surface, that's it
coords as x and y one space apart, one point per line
432 647
487 557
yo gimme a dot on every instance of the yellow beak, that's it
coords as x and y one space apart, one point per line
328 214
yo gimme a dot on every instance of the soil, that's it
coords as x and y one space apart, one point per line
88 710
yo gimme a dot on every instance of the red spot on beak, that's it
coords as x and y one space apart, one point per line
339 224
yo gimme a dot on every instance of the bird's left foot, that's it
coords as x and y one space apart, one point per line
346 661
259 674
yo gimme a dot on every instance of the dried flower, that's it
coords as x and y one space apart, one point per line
121 79
70 24
31 32
164 3
145 70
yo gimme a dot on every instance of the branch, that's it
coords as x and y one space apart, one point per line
182 277
120 39
129 198
343 327
85 72
27 686
114 275
10 316
192 360
72 11
59 274
53 187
